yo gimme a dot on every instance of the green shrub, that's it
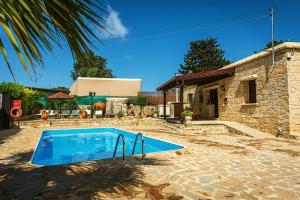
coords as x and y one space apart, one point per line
132 100
65 104
52 105
141 101
138 100
28 96
186 112
120 114
69 104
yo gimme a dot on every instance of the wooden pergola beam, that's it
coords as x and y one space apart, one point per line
165 104
181 99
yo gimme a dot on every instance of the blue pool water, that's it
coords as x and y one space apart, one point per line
64 146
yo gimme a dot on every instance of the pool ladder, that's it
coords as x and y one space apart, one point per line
143 149
124 146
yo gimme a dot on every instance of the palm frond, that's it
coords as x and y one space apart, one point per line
3 52
32 26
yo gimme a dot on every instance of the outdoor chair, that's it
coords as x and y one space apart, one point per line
74 113
98 113
109 113
39 114
88 112
53 113
65 113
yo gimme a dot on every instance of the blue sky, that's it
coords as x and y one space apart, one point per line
155 57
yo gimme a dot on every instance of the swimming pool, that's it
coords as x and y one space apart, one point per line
63 146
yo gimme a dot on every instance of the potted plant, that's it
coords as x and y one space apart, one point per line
44 115
186 116
83 114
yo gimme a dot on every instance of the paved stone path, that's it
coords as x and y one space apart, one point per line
209 167
243 129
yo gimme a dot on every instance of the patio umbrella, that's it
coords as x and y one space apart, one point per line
60 96
42 101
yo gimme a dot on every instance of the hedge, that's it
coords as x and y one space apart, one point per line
28 96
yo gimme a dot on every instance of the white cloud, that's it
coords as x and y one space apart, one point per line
114 26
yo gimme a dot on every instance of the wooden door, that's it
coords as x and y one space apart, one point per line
214 100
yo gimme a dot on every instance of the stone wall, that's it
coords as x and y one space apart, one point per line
294 92
272 108
186 91
97 122
146 111
115 105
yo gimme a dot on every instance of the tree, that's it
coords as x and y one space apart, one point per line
269 45
203 55
91 65
62 88
32 26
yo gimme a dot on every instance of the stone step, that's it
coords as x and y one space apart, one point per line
247 130
217 127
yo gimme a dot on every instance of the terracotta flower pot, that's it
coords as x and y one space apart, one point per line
84 115
99 106
44 115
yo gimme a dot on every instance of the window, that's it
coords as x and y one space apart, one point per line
190 98
252 91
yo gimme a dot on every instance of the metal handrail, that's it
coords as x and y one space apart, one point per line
124 147
136 137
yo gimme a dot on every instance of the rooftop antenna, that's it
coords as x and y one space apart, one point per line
272 20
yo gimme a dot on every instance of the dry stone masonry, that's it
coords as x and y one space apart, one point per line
277 107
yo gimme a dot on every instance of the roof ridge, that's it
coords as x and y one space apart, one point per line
266 52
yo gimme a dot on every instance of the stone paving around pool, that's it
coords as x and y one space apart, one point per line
209 167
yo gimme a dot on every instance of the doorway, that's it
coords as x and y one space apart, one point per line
214 100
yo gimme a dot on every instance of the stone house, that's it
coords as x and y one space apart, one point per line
251 91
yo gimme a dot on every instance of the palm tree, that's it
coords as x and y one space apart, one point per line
32 26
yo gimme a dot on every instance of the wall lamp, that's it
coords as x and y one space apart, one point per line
222 88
